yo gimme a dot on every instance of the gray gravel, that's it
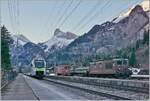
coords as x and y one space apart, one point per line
112 91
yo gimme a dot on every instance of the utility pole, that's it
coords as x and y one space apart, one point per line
17 57
18 31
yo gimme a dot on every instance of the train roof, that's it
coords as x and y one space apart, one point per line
62 66
102 61
119 59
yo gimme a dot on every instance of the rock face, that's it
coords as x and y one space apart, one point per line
110 36
23 51
22 40
58 41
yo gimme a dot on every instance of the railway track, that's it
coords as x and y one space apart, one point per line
108 92
121 84
36 96
111 96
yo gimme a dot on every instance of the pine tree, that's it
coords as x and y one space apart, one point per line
132 58
137 44
5 56
146 37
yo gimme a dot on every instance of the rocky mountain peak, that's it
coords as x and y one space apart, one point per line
58 41
70 35
57 32
20 38
66 35
137 9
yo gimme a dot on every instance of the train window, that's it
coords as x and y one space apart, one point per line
108 65
39 64
125 62
119 62
99 63
66 67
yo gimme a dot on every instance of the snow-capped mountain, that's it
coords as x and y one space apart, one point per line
23 51
106 38
21 39
144 5
58 41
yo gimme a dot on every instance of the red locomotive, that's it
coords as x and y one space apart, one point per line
62 70
115 67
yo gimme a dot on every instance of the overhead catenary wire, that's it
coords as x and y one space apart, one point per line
49 15
11 15
13 7
14 11
18 16
58 12
124 9
70 13
95 15
107 4
63 14
89 13
0 16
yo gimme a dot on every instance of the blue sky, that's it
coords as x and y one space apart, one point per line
38 19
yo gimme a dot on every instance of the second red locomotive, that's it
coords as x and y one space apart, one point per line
62 70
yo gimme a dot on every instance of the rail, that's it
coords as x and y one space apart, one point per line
130 85
87 89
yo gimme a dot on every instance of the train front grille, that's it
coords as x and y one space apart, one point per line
40 73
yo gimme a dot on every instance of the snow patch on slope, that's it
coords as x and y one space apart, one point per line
57 42
144 5
22 40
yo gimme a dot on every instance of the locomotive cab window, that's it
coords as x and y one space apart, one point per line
119 62
108 65
66 67
125 62
39 64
